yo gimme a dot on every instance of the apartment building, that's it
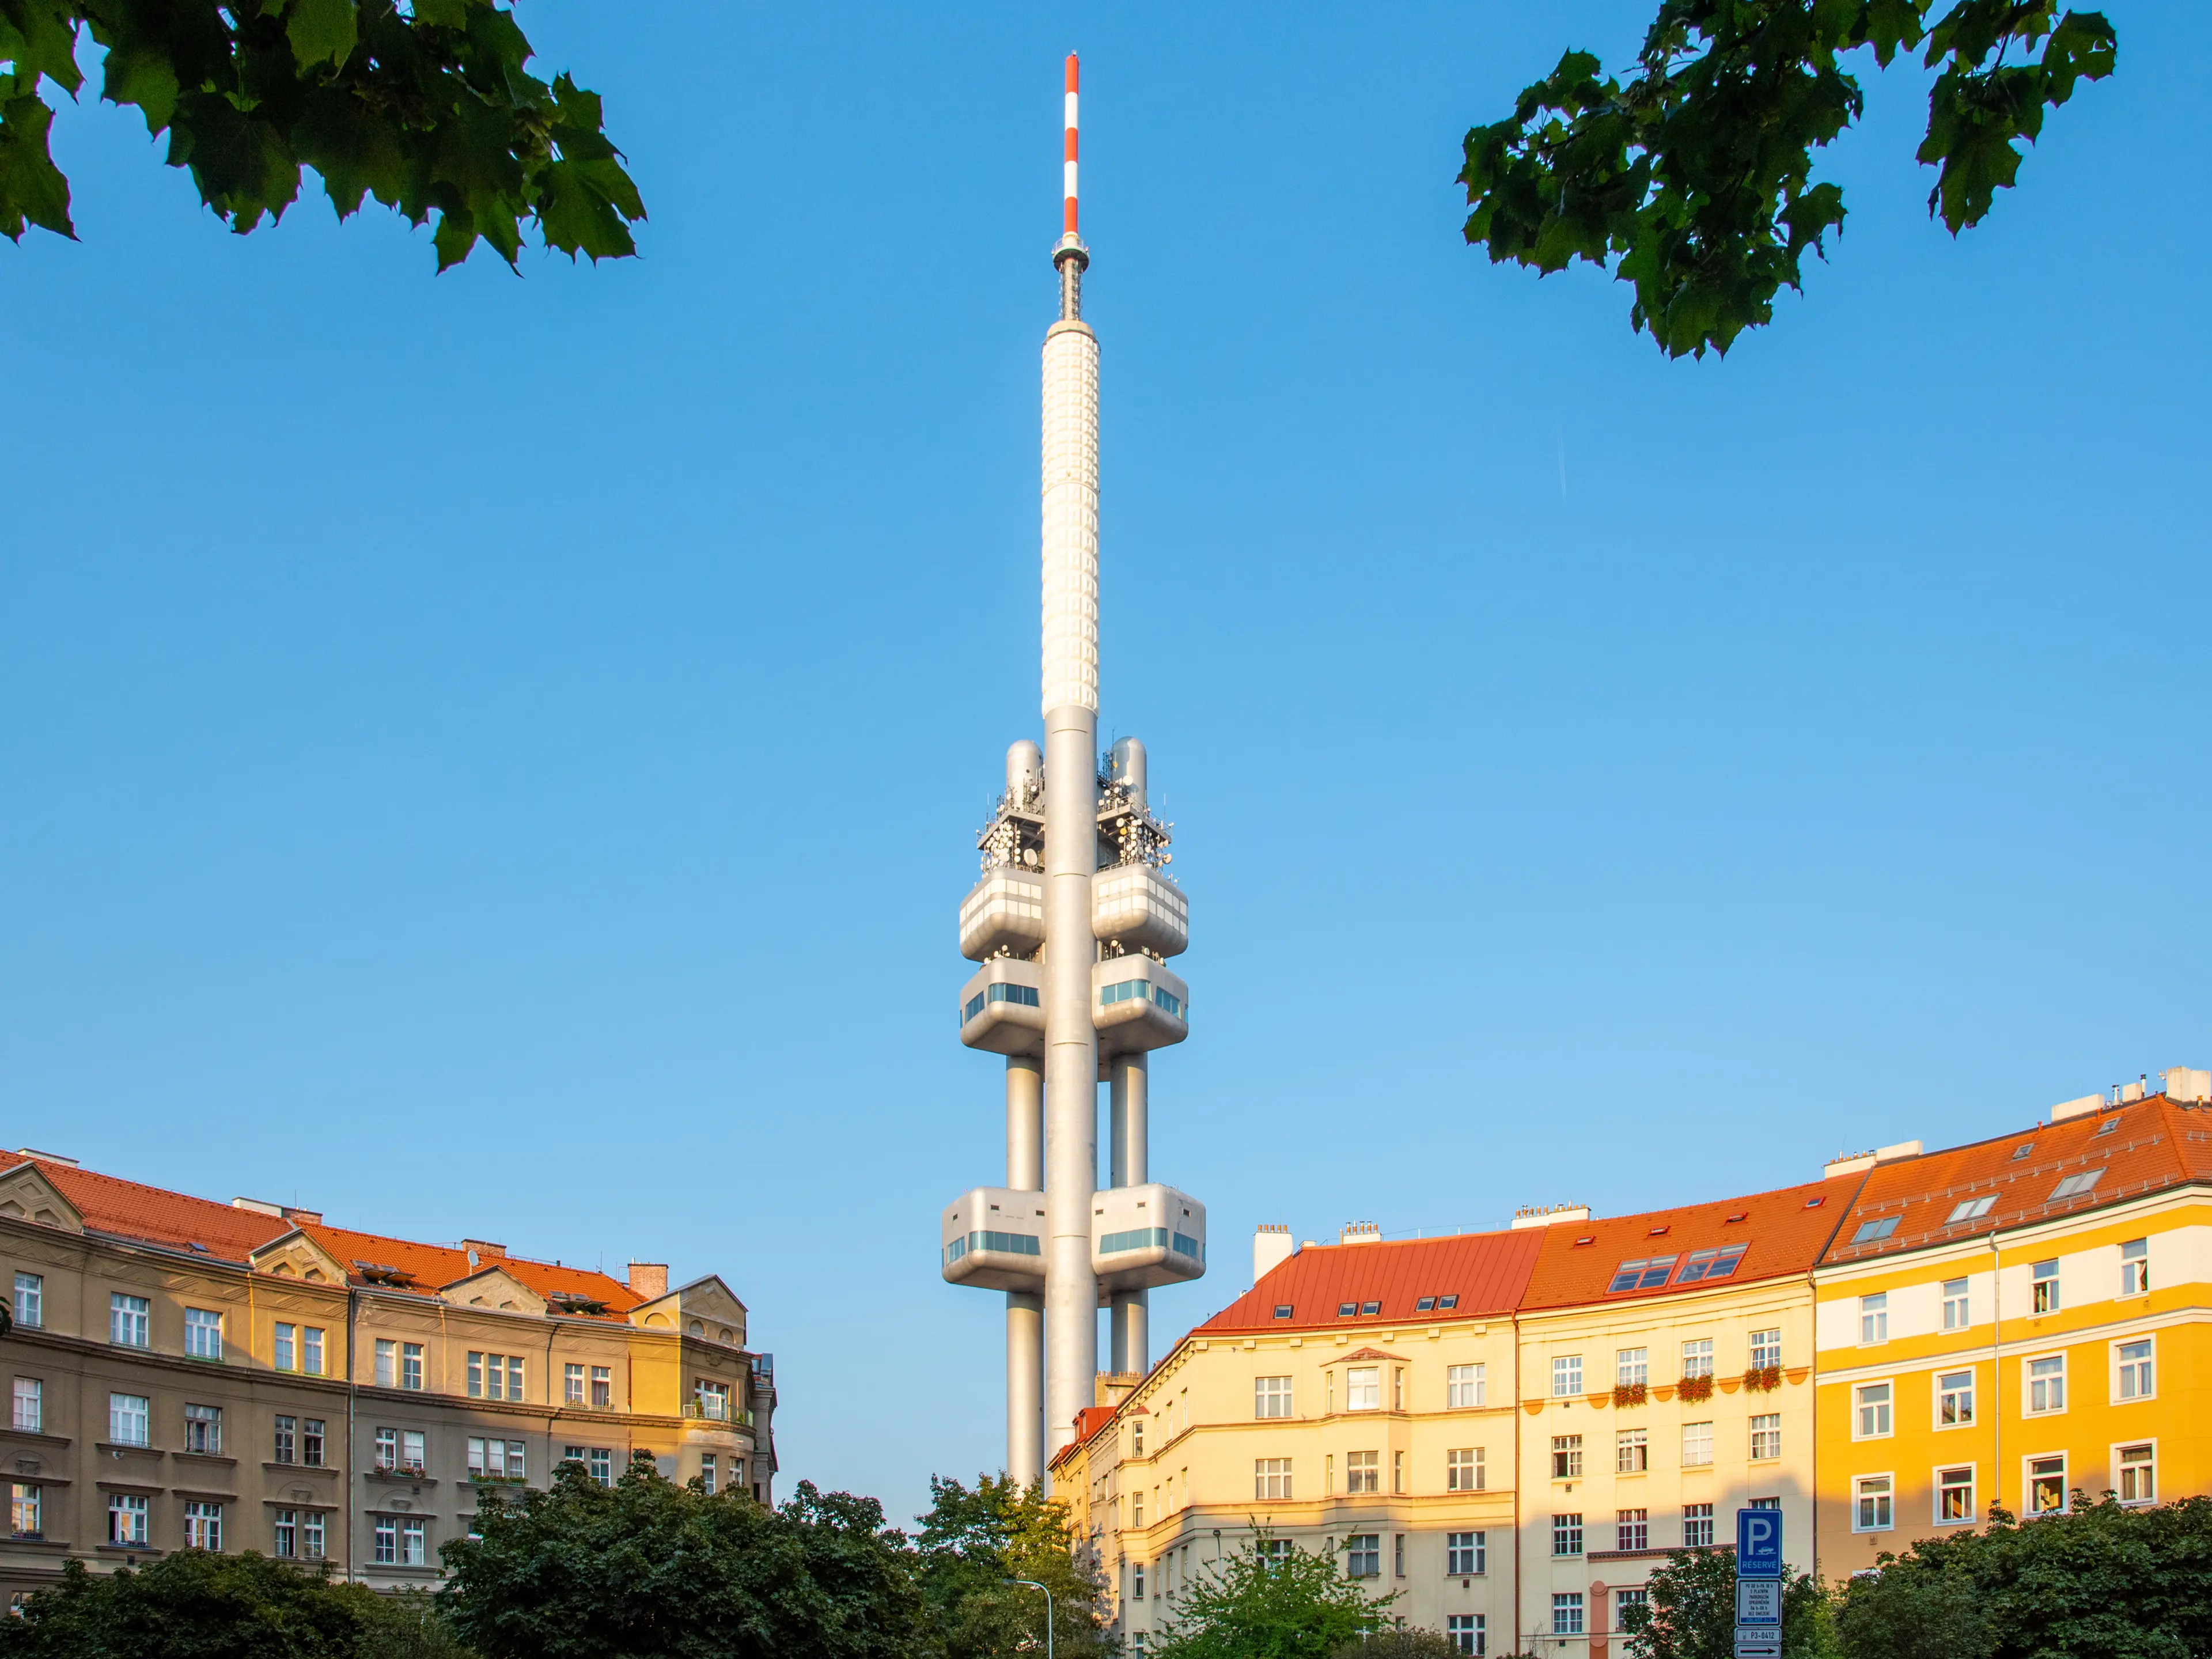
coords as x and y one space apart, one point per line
2012 1320
1665 1361
189 1374
1359 1399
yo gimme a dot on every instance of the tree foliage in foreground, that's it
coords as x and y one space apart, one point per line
644 1567
1690 1611
2100 1582
973 1541
1696 176
194 1605
427 107
1256 1604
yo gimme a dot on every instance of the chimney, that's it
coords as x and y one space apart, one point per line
484 1249
1360 1232
2184 1084
1548 1215
1271 1247
648 1279
304 1218
2074 1107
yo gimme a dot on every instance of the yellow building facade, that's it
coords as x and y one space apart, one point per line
2008 1322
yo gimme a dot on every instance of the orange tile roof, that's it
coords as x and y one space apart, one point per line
155 1215
2139 1147
1781 1232
1088 1421
1486 1271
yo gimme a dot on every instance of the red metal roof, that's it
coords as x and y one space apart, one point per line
2139 1147
1487 1272
1781 1232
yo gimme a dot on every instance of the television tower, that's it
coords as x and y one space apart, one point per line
1072 921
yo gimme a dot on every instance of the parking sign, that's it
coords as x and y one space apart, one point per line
1758 1543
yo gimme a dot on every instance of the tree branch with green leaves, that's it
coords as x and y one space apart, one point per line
1693 180
426 105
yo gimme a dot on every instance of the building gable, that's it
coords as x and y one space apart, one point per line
27 1195
295 1255
493 1286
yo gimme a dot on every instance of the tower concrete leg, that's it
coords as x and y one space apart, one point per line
1025 1309
1071 1071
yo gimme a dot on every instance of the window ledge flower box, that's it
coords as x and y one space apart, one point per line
1694 1388
1763 1379
1631 1394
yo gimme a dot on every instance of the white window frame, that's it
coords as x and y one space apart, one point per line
1271 1481
1773 1421
1271 1400
2028 1463
603 1387
203 1525
1874 1319
1626 1441
1859 1495
384 1363
1567 1369
311 1350
1963 1304
1567 1528
1936 1474
1888 1406
2120 1370
572 1383
1566 1457
1631 1367
2038 1281
1362 1388
1773 1345
1478 1546
144 1416
203 1334
284 1346
1464 1469
1468 1632
1707 1519
1362 1478
136 1514
129 1319
2118 1446
27 1405
2135 1274
1567 1613
1466 1387
31 1300
1937 1393
2028 1381
1693 1443
1698 1356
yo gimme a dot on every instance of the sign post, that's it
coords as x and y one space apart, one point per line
1759 1584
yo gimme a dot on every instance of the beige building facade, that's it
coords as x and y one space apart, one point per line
184 1373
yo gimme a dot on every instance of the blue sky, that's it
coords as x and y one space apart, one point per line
501 757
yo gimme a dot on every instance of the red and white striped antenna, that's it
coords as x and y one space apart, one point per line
1068 167
1070 256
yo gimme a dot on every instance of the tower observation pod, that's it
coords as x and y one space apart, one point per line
1070 926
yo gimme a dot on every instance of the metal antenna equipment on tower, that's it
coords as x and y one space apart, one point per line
1072 921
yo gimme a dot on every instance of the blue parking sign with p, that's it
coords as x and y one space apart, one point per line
1758 1543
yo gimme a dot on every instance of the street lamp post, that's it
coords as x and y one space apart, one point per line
1034 1585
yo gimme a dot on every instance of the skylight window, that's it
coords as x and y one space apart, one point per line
2075 1185
1656 1233
1451 1301
1741 1215
2022 1149
1587 1238
1710 1264
2108 1126
1971 1209
1371 1307
1645 1273
1345 1310
1282 1311
1424 1303
1816 1200
1871 1232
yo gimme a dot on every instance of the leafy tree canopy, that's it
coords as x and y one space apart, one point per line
646 1567
1265 1602
425 105
2100 1582
193 1605
1690 1611
973 1541
1696 177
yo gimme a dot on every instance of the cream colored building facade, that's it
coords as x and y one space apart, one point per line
184 1373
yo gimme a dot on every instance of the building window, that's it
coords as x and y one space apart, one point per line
1567 1613
1271 1397
386 1552
712 1399
1697 1444
2138 1475
603 1385
2135 1369
1645 1273
312 1536
1697 1526
1706 1264
284 1442
1271 1478
1764 1504
1870 1503
1954 1497
572 1384
1363 1388
1766 1437
203 1334
1765 1350
1466 1633
2046 1383
387 1364
1873 1232
1137 1509
127 1518
128 1321
1566 1376
707 1473
414 1551
286 1527
1955 1399
1624 1599
1397 1471
1631 1368
1136 1581
1363 1555
2135 1267
2046 1485
1566 1457
1971 1209
2075 1185
127 1415
2045 1281
601 1464
204 1430
1632 1529
1136 1436
1873 1402
30 1299
282 1344
1466 1387
311 1443
1698 1357
1567 1535
411 1365
1874 1318
310 1354
1398 1555
1467 1553
494 1376
496 1460
203 1525
1362 1472
1954 1304
23 1520
30 1402
1463 1470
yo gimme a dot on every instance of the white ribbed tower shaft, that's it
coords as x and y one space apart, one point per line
1070 851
